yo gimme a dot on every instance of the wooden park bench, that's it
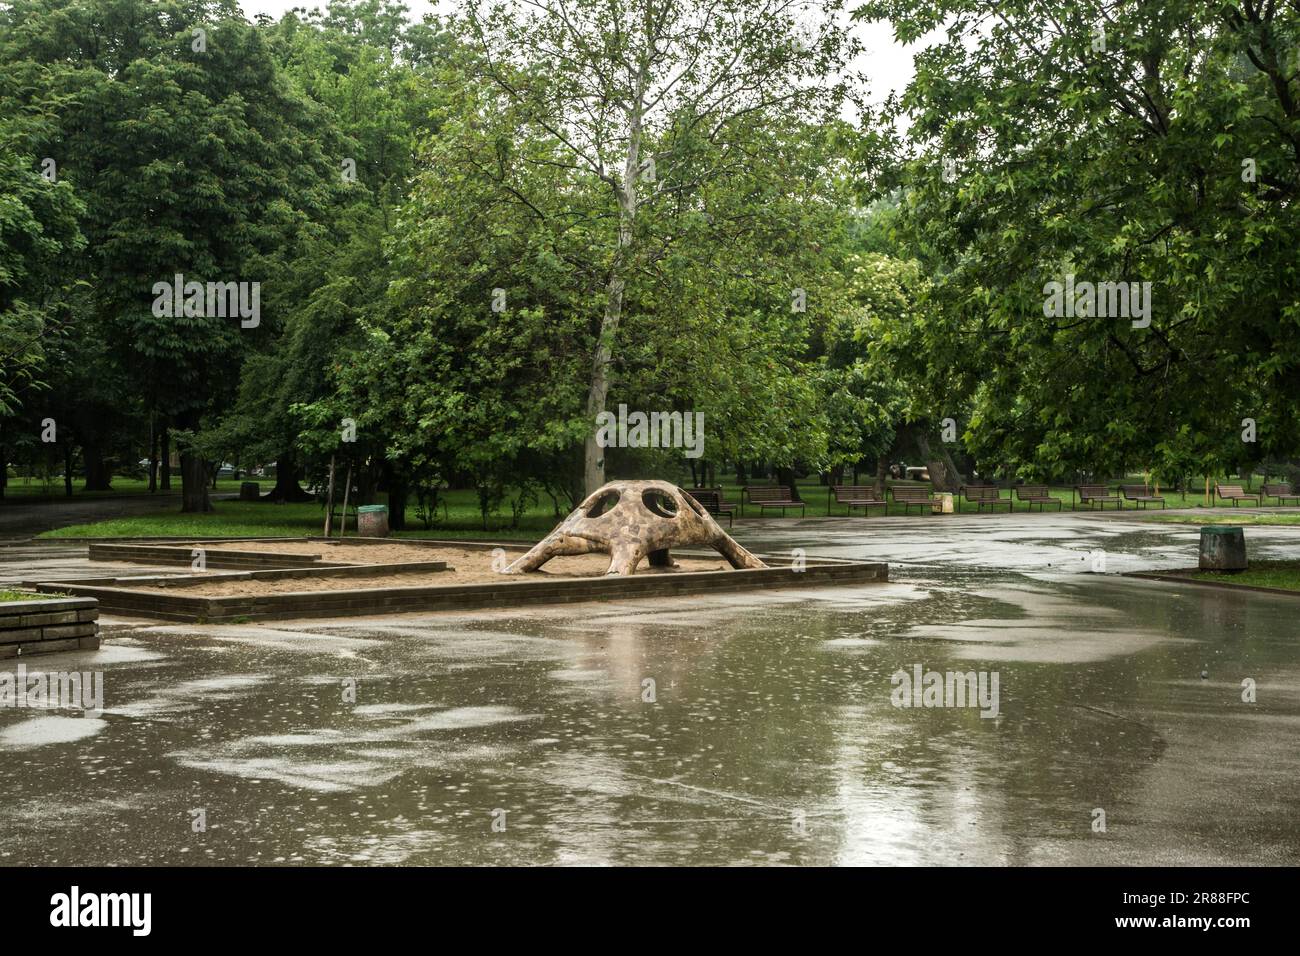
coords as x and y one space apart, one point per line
1037 495
982 495
1234 493
1282 492
857 496
712 501
1139 494
908 495
771 496
1098 494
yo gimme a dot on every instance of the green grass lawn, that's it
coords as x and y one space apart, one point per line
229 519
1225 516
815 495
458 516
20 488
1261 574
8 595
245 519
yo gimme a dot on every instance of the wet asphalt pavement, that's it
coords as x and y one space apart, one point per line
729 729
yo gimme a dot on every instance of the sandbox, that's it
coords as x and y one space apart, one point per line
280 578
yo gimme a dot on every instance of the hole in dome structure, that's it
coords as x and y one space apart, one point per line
603 504
660 504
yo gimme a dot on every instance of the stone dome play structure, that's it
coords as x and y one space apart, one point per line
632 520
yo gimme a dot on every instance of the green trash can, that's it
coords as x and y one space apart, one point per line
372 521
1223 548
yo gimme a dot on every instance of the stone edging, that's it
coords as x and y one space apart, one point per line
340 603
1179 577
48 627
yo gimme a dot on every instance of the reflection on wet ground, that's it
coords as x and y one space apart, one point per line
739 728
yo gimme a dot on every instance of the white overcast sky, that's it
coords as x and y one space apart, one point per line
888 64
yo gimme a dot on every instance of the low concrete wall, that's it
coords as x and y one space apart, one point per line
48 627
395 600
275 574
213 557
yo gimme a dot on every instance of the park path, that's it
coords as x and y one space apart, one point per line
1053 542
719 729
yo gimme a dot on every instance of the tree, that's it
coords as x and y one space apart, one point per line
478 364
878 400
625 90
358 62
1102 143
192 157
39 239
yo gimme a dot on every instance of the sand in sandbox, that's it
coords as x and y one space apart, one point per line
472 566
387 553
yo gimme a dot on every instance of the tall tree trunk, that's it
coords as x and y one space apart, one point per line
943 474
347 489
194 483
594 456
194 472
288 474
153 457
329 500
165 459
626 193
98 474
398 492
67 471
785 476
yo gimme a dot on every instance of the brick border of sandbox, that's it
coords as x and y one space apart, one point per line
169 605
213 557
48 626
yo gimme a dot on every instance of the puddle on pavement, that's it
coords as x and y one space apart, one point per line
729 730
